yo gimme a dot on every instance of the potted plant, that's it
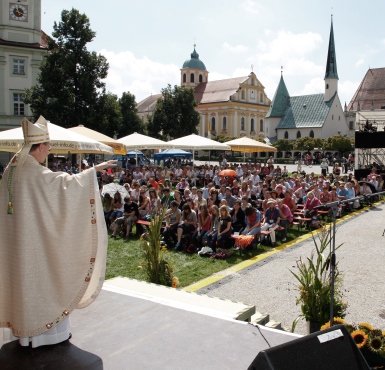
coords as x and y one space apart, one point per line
369 340
156 265
314 280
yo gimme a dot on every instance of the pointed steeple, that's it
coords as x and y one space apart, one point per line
331 62
280 100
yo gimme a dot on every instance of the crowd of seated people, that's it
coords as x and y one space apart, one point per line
258 199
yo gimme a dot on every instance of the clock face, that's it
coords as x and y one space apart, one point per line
18 12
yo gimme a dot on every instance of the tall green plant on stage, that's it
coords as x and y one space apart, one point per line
315 283
157 268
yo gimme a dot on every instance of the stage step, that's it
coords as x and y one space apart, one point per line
182 299
260 318
274 325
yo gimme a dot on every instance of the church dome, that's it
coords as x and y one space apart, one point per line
194 62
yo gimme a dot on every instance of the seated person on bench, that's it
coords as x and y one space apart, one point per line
271 220
130 215
224 228
188 223
253 221
172 219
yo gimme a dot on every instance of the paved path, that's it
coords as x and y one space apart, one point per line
270 286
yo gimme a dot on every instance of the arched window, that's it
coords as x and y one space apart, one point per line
298 134
213 124
243 94
261 125
200 78
242 124
184 77
327 86
224 123
252 125
261 97
192 77
286 135
311 134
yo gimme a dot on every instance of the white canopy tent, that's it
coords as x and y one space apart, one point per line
196 142
62 141
137 141
119 148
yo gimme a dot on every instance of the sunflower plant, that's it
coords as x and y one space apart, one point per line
314 280
369 340
156 265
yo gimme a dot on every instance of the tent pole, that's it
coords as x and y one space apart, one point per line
244 157
209 156
136 158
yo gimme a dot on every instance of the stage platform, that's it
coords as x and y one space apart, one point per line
150 329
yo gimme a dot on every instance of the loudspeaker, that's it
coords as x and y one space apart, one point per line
366 140
332 349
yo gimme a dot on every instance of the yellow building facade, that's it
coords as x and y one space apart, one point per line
229 107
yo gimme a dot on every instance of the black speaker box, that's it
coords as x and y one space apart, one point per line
366 140
331 349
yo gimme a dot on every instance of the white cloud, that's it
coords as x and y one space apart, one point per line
140 76
315 86
346 90
360 61
234 48
251 6
214 76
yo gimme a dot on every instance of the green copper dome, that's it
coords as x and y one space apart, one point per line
194 62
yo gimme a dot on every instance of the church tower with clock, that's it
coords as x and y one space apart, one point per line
22 48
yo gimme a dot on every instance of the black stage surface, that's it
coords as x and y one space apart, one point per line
123 332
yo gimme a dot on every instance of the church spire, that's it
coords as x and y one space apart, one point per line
280 100
331 62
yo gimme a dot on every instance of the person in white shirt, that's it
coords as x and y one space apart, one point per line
239 171
178 172
137 175
255 177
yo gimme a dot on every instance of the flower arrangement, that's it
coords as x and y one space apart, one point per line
369 340
314 285
156 265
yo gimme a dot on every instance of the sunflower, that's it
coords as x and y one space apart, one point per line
336 321
359 338
365 326
375 344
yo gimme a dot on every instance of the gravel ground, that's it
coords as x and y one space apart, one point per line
270 286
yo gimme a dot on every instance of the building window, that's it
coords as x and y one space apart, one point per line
243 94
192 77
286 135
224 121
311 134
242 124
252 125
261 97
298 134
261 125
18 67
18 105
200 78
351 125
252 94
339 118
332 117
327 86
213 124
184 77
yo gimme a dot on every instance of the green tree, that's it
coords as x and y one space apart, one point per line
223 139
341 144
304 143
106 115
284 145
131 121
174 115
70 80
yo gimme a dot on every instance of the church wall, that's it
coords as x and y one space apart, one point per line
335 122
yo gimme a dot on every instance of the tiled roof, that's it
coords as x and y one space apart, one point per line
148 104
280 101
217 91
371 92
306 111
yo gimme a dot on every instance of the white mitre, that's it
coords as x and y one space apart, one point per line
33 134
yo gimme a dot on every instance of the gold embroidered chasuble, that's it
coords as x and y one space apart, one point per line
53 246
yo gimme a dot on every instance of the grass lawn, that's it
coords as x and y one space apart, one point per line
125 259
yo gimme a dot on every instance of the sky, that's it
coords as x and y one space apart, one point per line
146 42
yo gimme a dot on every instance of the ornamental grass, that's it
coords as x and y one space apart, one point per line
314 280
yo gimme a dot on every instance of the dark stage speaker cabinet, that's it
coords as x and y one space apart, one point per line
331 349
